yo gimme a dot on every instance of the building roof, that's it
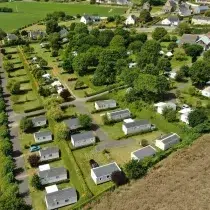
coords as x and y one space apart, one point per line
63 32
105 102
37 33
204 39
54 197
122 111
72 122
201 18
106 169
188 38
48 150
207 89
52 172
12 37
144 152
173 18
39 119
133 17
44 167
91 17
51 189
81 136
42 134
136 123
168 138
184 9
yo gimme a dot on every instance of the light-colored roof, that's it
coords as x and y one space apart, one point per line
48 150
51 189
168 138
163 104
144 152
204 39
82 136
105 102
169 54
52 172
136 123
128 120
56 83
207 89
42 134
44 167
122 111
185 110
39 119
72 122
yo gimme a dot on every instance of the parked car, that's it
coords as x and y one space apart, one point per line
34 148
93 163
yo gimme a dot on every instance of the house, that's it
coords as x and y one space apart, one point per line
167 141
119 114
131 20
86 19
83 139
36 34
169 54
185 114
136 126
120 2
132 65
43 136
105 104
162 105
46 76
171 21
49 153
146 6
200 20
206 92
202 1
140 154
53 175
44 44
188 39
11 37
63 33
39 121
204 41
56 84
172 74
170 6
60 198
73 123
197 9
103 173
184 10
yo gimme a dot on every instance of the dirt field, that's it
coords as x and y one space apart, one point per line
182 181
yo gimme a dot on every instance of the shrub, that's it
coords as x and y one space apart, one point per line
34 160
144 143
197 117
26 124
35 182
119 178
61 131
169 114
85 121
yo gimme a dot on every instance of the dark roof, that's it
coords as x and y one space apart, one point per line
105 102
52 172
173 18
81 136
42 134
122 111
12 37
54 197
105 169
91 17
136 123
188 38
48 150
72 122
168 138
144 152
39 118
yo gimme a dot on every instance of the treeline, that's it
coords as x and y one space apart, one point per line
9 194
6 9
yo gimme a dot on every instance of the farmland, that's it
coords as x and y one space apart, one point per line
29 12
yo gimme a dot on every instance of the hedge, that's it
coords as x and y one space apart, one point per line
34 109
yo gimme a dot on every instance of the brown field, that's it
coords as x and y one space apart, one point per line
182 181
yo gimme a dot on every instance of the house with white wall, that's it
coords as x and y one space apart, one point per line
185 114
43 136
171 21
83 139
167 141
200 20
86 19
105 104
11 37
163 105
60 198
140 154
103 173
131 20
39 121
49 153
206 92
72 123
119 114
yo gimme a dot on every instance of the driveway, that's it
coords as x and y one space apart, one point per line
20 172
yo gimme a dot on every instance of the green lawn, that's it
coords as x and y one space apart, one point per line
29 12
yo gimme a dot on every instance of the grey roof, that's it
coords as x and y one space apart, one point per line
54 197
173 18
52 172
37 33
201 18
144 152
63 32
12 37
188 38
104 102
39 118
106 169
122 111
48 150
42 134
203 7
168 138
91 17
72 122
136 123
184 10
81 136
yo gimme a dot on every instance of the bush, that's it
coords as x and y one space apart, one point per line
61 131
35 182
34 160
119 178
169 114
144 143
197 117
85 121
26 124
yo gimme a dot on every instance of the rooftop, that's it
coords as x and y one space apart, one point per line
207 89
48 150
72 122
168 138
136 123
201 18
144 152
81 136
38 119
104 102
44 167
42 134
188 38
52 172
122 111
173 18
51 189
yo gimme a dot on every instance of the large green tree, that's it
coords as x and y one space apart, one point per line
197 117
159 33
51 26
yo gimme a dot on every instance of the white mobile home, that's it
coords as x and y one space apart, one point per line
119 114
43 136
140 154
72 123
39 121
50 153
163 105
106 104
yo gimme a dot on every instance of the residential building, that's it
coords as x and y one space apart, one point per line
206 92
103 173
119 114
60 198
83 139
201 20
136 126
188 39
49 153
184 10
185 114
53 175
170 6
72 123
63 33
162 105
122 2
204 41
36 34
131 20
197 9
39 121
167 141
170 21
202 1
43 136
11 37
86 19
105 104
140 154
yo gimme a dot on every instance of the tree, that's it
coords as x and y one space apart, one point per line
55 113
144 143
35 182
128 76
34 160
26 124
159 33
145 16
42 62
105 37
120 65
54 39
185 69
81 28
6 147
95 32
14 86
61 131
4 131
65 94
24 33
142 37
184 28
135 46
117 41
80 64
164 64
197 117
85 121
206 55
179 76
51 26
172 46
8 66
193 50
2 105
3 118
2 34
180 54
119 178
169 114
134 169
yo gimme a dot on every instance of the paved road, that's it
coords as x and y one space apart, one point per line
20 172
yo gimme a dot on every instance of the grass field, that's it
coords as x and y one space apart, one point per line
29 12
